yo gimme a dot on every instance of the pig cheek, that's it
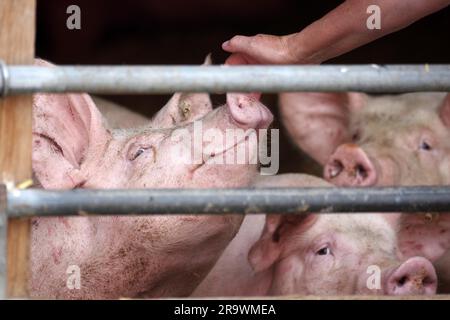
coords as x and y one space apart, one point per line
162 168
289 277
113 175
444 169
418 170
223 176
147 174
330 275
429 161
239 175
320 277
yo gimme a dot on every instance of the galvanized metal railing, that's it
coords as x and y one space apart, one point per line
38 202
220 79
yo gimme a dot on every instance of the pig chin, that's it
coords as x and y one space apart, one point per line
238 174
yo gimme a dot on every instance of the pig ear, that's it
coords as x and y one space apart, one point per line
65 126
42 63
319 122
184 107
444 111
267 250
208 60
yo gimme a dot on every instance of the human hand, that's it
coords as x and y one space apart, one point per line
260 49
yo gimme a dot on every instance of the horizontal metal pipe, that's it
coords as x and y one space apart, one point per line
219 79
39 202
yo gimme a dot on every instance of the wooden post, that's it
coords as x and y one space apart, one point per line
17 36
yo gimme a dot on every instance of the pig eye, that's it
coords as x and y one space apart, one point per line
425 146
323 251
140 151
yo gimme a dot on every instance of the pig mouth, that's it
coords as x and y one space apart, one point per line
217 154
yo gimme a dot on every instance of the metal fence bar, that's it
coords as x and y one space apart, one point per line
219 79
39 202
3 242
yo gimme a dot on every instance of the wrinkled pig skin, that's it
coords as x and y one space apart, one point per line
138 256
316 254
383 140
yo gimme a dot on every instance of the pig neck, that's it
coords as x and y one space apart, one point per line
261 282
233 268
232 275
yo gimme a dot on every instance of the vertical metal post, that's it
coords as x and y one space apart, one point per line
3 242
17 37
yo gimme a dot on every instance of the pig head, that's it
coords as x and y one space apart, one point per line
72 141
73 147
336 254
316 254
367 140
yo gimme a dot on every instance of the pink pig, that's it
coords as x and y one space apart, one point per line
384 140
148 256
316 254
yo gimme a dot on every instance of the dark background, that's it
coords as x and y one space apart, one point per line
184 31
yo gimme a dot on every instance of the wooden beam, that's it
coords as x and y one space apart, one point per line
17 37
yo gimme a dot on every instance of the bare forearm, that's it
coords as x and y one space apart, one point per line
345 29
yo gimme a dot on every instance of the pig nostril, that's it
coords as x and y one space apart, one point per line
361 171
335 168
401 282
427 281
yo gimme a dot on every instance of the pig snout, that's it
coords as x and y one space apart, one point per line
248 112
415 276
350 166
